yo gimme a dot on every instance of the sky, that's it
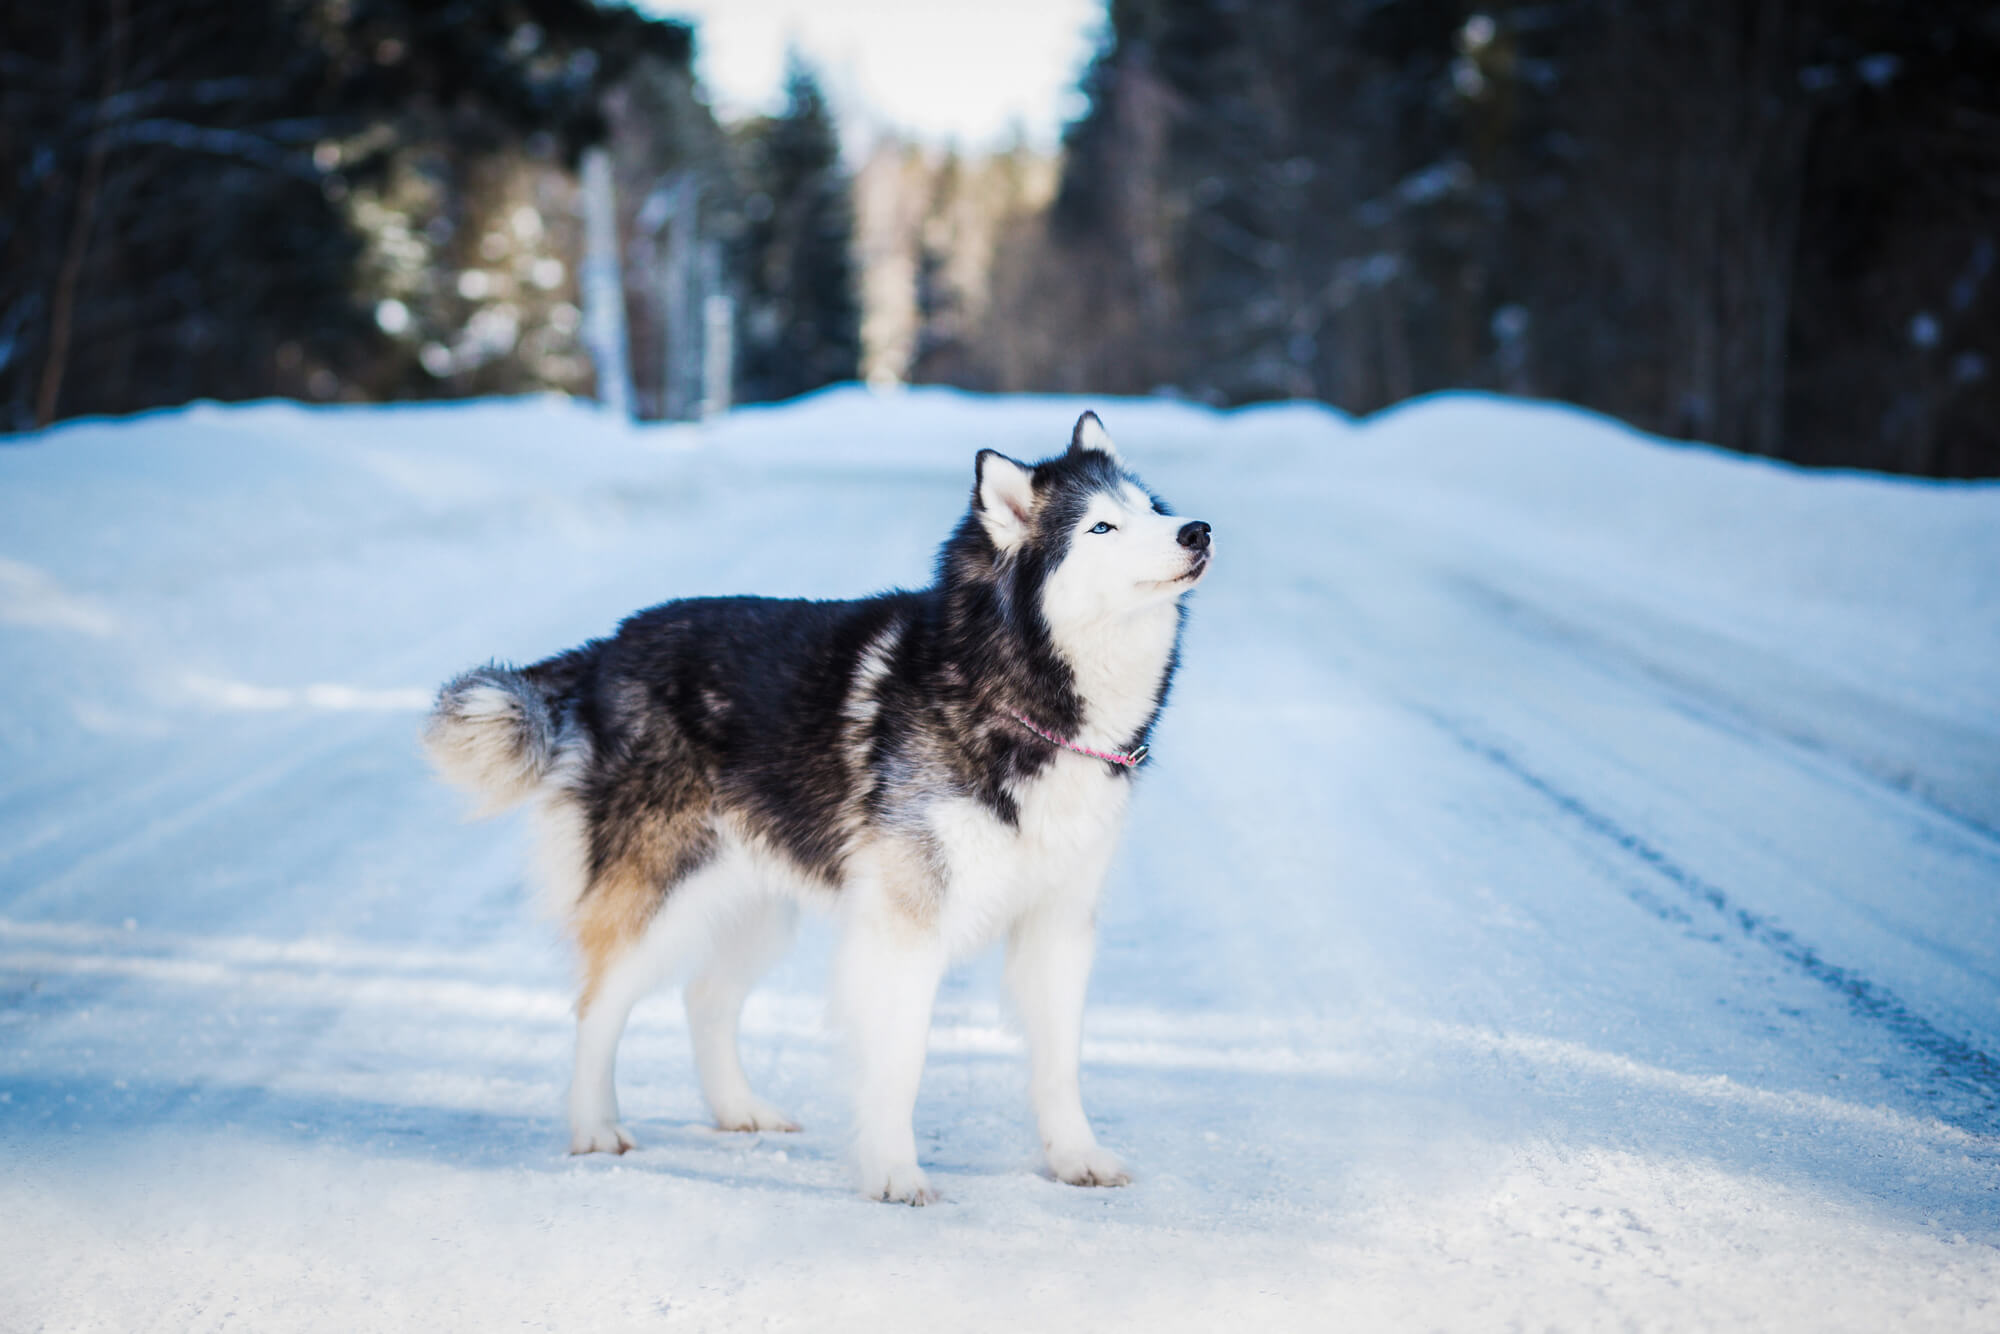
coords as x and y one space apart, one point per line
966 73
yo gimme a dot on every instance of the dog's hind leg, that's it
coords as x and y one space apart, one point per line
634 937
745 949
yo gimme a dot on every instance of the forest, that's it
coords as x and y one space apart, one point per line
371 200
1766 224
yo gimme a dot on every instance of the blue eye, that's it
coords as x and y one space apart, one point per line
1103 528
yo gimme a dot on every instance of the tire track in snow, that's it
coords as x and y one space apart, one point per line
1953 774
1967 1069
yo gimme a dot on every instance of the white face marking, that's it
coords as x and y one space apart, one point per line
1110 609
1135 562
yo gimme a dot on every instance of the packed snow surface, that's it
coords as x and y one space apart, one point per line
1566 892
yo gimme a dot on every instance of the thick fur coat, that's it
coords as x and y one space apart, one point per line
941 768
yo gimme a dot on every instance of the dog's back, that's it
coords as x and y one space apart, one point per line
696 711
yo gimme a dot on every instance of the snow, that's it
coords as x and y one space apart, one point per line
1566 891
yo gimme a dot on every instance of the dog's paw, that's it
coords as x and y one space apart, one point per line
903 1183
1088 1165
754 1115
601 1137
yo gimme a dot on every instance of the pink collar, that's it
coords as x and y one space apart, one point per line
1115 757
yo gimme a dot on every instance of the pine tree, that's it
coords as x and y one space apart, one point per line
1764 224
802 325
178 181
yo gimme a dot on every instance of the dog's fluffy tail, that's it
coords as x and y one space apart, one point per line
491 733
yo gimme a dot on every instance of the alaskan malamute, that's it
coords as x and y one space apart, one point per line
940 767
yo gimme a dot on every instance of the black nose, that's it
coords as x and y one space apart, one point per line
1194 536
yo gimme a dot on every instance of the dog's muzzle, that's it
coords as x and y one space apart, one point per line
1195 541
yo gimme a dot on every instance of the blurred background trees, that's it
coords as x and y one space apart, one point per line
372 199
802 311
1766 223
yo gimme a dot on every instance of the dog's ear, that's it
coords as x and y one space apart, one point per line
1004 497
1090 434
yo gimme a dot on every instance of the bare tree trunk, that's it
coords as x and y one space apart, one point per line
63 309
1777 175
1734 195
1696 393
680 373
603 288
718 335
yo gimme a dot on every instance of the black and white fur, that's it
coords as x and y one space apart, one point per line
719 761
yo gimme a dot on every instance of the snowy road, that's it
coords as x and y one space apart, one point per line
1566 893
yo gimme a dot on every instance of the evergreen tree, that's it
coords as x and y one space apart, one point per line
175 178
801 326
938 356
1762 223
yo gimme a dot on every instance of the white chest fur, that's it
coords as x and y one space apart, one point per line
1069 815
1118 663
1069 819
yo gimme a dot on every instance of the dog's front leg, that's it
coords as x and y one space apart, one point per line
1048 970
886 980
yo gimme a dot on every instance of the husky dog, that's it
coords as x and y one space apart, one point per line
941 767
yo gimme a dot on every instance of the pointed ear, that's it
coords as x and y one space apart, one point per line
1090 434
1005 498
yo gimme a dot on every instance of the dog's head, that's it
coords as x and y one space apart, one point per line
1080 535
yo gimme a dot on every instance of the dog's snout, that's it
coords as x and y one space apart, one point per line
1194 536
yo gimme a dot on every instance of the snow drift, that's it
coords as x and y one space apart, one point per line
1566 889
